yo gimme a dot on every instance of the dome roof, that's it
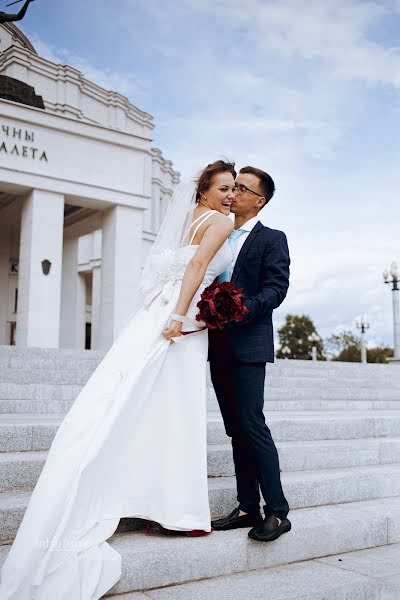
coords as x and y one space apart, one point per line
14 36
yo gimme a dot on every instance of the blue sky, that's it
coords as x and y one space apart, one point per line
308 92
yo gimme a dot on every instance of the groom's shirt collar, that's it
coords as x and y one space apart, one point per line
248 226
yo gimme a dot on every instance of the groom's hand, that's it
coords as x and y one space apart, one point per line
247 316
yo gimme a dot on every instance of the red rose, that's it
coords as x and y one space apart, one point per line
221 303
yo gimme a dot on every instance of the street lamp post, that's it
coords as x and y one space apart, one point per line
363 325
314 338
394 282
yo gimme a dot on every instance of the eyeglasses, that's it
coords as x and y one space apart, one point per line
241 189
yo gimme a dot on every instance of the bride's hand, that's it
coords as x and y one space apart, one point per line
173 329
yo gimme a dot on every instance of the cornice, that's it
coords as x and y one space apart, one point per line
58 73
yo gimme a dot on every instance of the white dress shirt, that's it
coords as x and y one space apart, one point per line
248 226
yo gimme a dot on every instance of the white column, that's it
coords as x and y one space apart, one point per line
38 319
120 270
4 290
73 299
363 348
96 308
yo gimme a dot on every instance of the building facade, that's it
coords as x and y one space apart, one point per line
82 194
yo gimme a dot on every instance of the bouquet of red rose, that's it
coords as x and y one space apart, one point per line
221 303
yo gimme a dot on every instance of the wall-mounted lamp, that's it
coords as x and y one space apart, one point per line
46 265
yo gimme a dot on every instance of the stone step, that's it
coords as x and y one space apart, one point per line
13 366
67 391
27 388
302 489
21 470
322 535
323 393
79 373
328 405
306 456
15 363
316 383
333 367
368 574
48 361
319 487
330 425
7 351
304 405
32 432
65 358
42 407
38 391
25 432
53 407
10 352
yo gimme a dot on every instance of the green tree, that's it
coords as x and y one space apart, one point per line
349 354
380 354
344 346
293 338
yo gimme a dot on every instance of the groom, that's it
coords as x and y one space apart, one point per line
238 355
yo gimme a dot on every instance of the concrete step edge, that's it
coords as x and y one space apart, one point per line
308 477
330 444
150 562
311 579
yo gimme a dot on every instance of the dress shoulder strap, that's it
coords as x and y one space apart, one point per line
206 215
200 220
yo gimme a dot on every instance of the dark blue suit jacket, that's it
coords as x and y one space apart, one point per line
262 270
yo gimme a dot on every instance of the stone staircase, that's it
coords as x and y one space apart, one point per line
337 429
43 381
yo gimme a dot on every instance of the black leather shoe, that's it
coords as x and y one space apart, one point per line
234 521
269 529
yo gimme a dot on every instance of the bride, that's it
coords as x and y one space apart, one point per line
134 443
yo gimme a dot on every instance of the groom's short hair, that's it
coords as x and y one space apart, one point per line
267 184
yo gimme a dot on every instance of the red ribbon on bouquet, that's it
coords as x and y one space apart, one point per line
221 303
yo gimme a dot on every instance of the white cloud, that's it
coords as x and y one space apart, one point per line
303 90
107 78
334 31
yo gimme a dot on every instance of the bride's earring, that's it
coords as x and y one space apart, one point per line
204 199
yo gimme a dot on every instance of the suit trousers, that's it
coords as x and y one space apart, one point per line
239 387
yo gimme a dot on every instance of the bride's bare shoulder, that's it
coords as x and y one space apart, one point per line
222 221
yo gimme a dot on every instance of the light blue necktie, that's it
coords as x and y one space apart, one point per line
235 235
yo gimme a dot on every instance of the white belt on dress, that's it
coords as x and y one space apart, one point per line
164 290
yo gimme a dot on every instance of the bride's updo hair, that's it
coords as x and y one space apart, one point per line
206 176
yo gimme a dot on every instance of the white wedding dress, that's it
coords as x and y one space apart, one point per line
134 444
